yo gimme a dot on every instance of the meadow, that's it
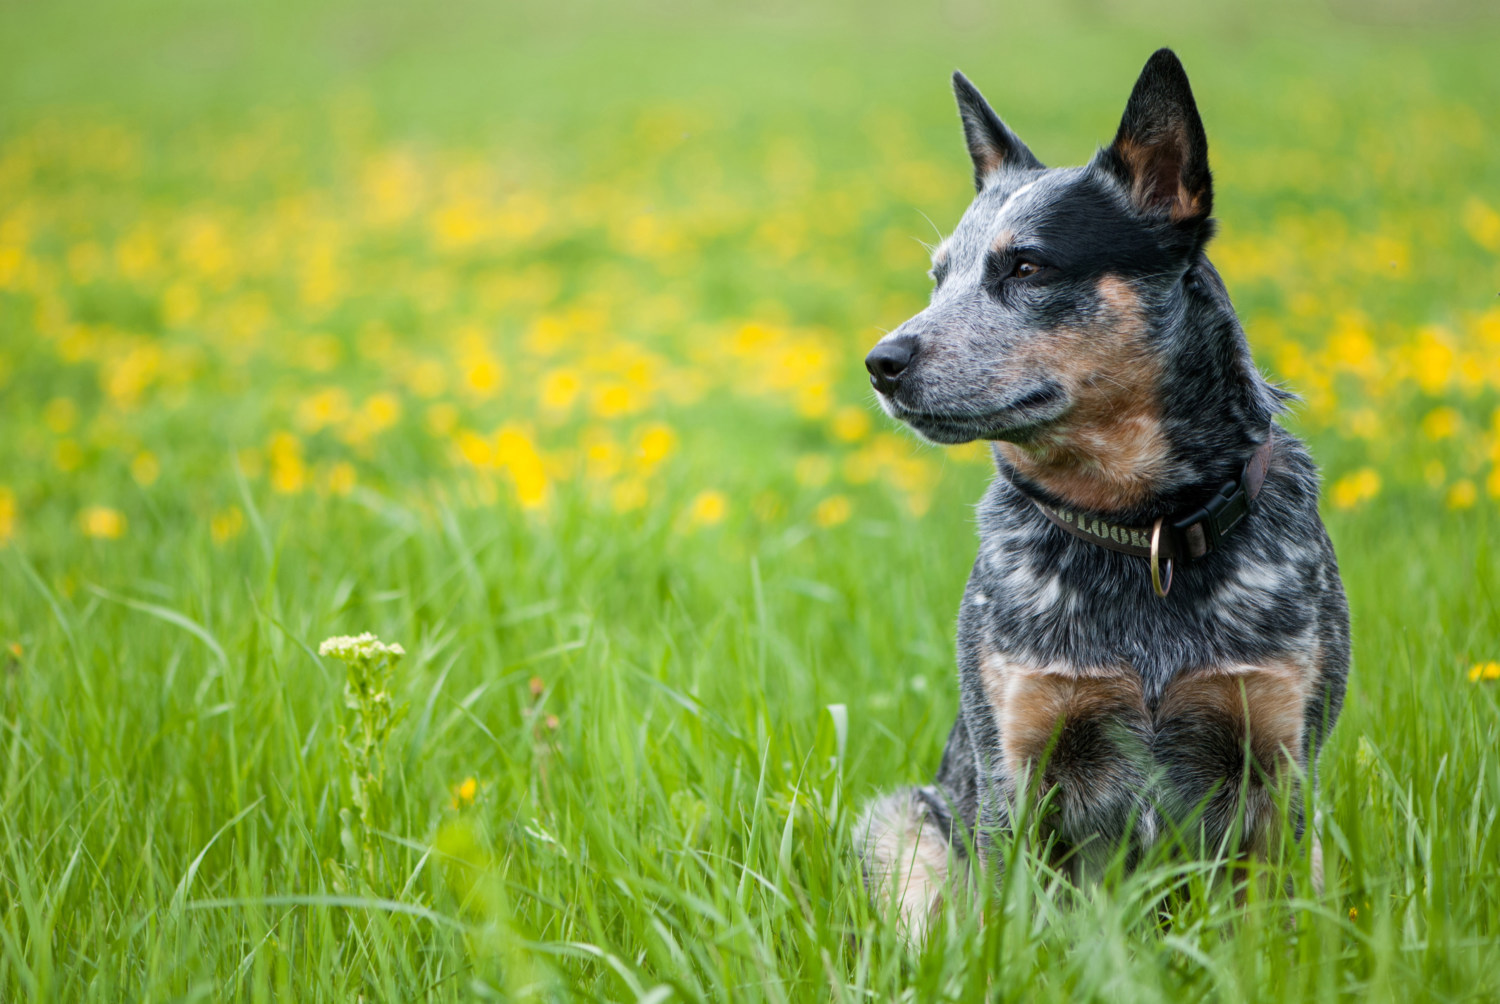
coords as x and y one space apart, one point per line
530 339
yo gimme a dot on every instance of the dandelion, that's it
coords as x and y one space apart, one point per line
708 508
1483 223
7 514
1355 489
1484 671
560 388
382 411
1440 423
832 511
102 523
656 443
288 473
342 477
226 524
145 468
482 375
1462 495
463 793
850 424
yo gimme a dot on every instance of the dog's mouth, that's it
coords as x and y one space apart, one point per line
1016 421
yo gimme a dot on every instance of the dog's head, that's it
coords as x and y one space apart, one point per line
1049 300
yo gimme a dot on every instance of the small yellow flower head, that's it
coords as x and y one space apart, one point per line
832 511
1462 495
227 524
708 508
102 522
851 424
1357 488
348 648
1441 423
1484 671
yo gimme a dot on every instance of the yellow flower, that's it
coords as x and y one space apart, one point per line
832 511
1462 495
60 414
102 522
1434 359
342 477
1353 489
383 411
483 374
227 524
1492 484
288 473
708 508
463 793
851 424
7 514
656 443
326 407
560 389
145 468
615 399
517 454
1440 423
1483 223
1484 671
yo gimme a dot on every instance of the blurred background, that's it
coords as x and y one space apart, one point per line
525 251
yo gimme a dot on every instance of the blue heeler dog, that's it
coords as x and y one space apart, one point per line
1154 634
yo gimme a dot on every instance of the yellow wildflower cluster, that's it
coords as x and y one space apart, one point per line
538 335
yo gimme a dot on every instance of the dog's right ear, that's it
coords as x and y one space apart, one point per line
991 145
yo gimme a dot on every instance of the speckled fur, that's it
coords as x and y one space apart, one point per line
1117 380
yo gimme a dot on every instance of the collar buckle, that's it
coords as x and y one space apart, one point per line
1207 526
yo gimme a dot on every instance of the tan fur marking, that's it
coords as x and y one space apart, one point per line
1030 704
1005 240
1268 699
1181 204
1110 450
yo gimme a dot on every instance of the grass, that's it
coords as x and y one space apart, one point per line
529 338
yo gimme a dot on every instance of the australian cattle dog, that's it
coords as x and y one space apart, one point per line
1154 638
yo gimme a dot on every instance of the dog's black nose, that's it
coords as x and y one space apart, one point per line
888 360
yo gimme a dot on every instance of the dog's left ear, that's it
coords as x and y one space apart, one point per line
1160 153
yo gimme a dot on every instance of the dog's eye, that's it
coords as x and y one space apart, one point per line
1025 269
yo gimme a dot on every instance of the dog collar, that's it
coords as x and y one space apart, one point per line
1175 538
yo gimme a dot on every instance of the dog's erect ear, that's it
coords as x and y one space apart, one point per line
991 144
1161 152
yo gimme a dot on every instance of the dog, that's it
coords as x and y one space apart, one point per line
1154 637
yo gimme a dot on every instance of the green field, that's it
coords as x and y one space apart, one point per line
529 337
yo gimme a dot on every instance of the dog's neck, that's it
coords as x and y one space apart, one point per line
1137 459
